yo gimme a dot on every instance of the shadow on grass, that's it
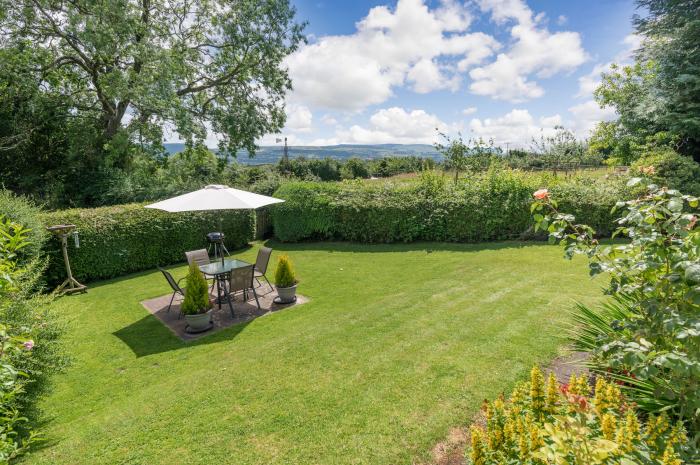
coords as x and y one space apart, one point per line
149 336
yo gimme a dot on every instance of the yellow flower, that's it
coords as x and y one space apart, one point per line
599 399
629 432
678 435
477 452
670 457
613 396
608 424
552 392
536 389
656 426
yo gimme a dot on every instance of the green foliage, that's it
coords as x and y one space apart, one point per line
21 211
71 73
126 238
284 273
666 167
671 41
28 341
196 292
654 346
492 206
543 423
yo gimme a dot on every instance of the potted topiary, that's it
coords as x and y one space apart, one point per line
196 306
285 281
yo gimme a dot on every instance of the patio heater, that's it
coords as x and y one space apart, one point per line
216 241
62 231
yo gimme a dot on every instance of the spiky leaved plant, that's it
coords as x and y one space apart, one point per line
284 274
196 293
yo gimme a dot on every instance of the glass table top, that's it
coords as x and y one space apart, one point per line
217 267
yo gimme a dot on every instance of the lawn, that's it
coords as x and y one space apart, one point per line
398 344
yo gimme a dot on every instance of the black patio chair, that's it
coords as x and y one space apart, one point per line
261 262
174 285
241 280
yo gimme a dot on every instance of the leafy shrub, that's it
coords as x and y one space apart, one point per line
284 274
28 341
649 338
196 292
666 167
20 210
489 207
544 423
126 238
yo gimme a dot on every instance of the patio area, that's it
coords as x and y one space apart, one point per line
244 311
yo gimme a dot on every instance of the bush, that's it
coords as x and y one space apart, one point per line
126 238
28 341
20 210
284 274
666 167
647 337
196 292
489 207
544 423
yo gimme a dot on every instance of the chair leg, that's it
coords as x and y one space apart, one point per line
171 302
230 305
269 284
256 297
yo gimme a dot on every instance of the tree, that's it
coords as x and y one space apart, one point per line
671 32
129 68
455 151
661 91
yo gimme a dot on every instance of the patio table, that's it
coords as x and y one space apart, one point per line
220 271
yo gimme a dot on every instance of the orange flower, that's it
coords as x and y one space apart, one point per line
648 170
541 194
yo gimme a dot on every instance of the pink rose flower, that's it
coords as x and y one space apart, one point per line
541 194
29 345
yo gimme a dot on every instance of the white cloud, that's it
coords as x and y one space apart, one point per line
427 77
390 125
389 48
514 129
299 118
536 51
329 120
469 111
586 115
561 20
589 82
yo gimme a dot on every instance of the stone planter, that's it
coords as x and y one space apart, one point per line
287 295
199 322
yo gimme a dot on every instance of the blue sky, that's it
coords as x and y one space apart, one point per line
393 71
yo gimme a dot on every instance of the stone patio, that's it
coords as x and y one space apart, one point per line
221 316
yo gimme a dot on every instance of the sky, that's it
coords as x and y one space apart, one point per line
394 71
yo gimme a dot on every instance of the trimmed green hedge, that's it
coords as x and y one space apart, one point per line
126 238
495 207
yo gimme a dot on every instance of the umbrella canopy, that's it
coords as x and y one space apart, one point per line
214 197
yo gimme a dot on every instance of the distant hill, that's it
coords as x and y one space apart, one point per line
271 154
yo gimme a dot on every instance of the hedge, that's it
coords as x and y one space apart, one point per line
495 207
126 238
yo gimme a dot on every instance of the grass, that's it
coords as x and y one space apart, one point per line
398 344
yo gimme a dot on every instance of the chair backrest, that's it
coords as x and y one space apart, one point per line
241 279
169 278
263 259
200 257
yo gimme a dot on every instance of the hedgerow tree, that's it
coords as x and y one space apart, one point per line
122 70
661 90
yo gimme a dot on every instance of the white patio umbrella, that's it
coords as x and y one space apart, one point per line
215 197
